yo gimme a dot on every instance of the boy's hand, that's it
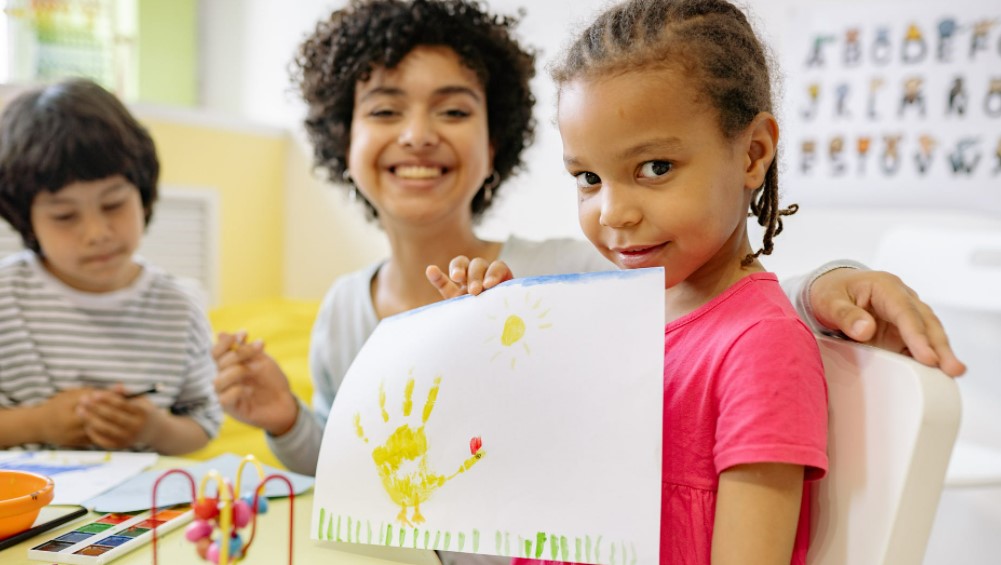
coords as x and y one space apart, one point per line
59 422
468 276
115 422
251 386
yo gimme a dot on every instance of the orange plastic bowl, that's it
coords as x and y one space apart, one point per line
22 496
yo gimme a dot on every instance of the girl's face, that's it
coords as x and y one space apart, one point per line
658 184
420 147
88 232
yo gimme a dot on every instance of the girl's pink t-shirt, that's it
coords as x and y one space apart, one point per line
743 383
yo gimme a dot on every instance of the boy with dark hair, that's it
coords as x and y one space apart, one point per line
98 349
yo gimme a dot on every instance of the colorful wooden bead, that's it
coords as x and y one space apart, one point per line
207 508
197 530
241 513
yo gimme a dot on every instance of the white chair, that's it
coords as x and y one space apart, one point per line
893 423
957 270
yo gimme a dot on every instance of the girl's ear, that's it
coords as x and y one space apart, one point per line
761 149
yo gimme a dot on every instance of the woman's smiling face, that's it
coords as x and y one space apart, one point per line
420 144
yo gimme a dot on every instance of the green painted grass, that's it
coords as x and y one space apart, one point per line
543 545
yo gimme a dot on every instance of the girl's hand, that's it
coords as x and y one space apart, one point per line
115 422
467 276
252 387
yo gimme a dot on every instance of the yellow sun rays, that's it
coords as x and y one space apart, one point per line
520 321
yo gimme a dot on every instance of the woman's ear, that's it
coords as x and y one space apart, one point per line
761 149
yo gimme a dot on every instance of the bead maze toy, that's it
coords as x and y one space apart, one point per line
228 512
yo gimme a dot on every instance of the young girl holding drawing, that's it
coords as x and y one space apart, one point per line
666 118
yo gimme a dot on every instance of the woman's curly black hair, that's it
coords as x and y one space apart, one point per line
345 49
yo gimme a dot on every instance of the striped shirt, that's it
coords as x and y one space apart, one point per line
54 337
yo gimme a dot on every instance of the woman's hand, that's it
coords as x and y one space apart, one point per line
877 308
467 276
251 386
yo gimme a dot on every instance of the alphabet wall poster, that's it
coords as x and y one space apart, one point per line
893 104
525 421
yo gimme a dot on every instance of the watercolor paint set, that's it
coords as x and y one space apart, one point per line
110 536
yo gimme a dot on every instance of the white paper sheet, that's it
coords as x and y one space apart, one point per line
79 475
137 492
526 421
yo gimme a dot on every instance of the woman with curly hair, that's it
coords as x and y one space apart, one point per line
422 109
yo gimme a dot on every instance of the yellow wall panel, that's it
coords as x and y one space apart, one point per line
247 169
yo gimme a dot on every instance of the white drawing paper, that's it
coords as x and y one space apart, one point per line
79 475
526 421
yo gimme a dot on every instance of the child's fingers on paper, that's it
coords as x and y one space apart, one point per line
446 288
434 276
497 273
457 269
476 272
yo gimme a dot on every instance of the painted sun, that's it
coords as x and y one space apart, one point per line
517 323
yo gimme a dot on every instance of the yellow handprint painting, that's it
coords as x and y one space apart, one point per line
402 460
517 366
